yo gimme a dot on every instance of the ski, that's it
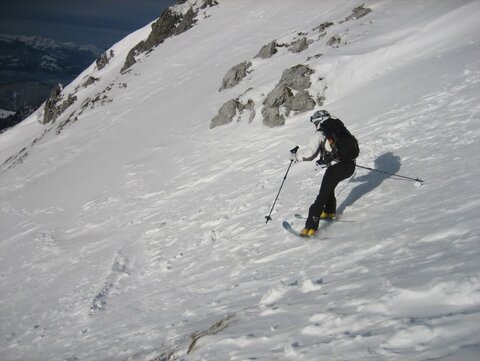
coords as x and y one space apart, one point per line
336 219
288 227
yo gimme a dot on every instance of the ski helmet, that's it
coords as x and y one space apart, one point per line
319 116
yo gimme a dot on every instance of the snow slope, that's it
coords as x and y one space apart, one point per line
137 233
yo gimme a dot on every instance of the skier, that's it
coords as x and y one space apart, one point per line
338 150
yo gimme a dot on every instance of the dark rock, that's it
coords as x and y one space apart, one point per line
301 102
104 59
335 41
250 106
297 77
234 108
358 12
235 75
226 113
170 23
316 56
54 107
208 3
299 45
322 27
163 28
272 117
90 81
278 96
187 22
267 51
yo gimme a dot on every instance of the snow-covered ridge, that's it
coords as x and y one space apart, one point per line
130 230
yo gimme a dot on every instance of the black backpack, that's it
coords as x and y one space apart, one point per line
345 142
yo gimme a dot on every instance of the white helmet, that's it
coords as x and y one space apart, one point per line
319 116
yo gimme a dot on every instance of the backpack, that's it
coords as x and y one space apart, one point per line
346 143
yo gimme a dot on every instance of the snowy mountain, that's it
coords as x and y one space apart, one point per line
41 43
31 65
5 113
35 54
132 204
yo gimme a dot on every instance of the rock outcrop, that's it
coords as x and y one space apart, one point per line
234 109
169 23
335 41
208 3
54 106
290 94
324 26
90 80
163 28
299 45
358 12
104 59
267 51
235 75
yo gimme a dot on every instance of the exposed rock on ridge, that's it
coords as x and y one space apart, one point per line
299 45
358 12
104 59
170 23
267 51
235 75
54 106
231 109
295 79
163 28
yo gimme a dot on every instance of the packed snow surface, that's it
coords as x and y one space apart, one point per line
137 233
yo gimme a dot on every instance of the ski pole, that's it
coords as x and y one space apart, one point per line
393 174
294 150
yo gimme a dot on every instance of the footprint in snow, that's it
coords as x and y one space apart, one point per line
119 270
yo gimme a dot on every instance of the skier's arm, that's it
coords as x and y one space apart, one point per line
309 151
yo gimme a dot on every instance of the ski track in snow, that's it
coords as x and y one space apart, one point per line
139 234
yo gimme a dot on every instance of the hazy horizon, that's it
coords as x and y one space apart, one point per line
86 22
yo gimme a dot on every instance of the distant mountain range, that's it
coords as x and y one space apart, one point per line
31 65
41 59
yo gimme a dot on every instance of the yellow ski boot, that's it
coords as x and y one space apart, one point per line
327 216
307 232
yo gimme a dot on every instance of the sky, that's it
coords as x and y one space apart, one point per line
98 22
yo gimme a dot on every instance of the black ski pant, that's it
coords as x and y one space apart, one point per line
326 200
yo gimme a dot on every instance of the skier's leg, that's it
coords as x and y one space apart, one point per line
333 175
331 205
326 190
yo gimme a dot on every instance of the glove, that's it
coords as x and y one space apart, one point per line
293 154
326 159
